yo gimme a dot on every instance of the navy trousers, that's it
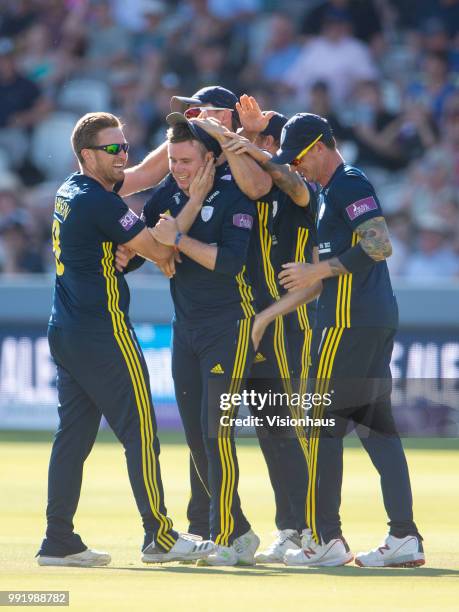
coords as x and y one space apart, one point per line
100 374
353 367
206 363
284 454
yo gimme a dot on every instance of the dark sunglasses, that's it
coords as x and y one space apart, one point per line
112 149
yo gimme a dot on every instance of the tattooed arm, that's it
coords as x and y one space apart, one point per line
374 246
374 238
289 181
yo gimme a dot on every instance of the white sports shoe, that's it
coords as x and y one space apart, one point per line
332 554
223 555
241 552
184 549
287 539
87 558
394 552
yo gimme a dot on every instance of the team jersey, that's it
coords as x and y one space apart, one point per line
260 266
88 223
201 296
361 299
294 238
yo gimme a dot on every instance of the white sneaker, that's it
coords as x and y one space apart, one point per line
287 539
184 549
246 546
394 552
87 558
223 555
332 554
241 552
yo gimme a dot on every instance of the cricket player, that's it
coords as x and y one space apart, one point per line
100 367
352 343
293 239
270 370
212 350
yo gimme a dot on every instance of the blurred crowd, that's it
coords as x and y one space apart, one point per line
384 72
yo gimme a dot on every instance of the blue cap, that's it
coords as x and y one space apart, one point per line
275 125
210 143
300 132
215 95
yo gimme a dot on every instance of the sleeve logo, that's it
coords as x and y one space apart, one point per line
128 220
243 220
361 207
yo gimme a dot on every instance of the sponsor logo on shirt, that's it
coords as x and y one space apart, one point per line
325 247
226 177
176 197
243 220
128 220
206 213
212 196
275 206
361 207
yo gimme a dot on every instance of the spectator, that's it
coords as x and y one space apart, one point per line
363 16
21 253
400 231
334 57
434 85
282 48
22 103
108 42
152 37
373 128
320 104
450 140
434 258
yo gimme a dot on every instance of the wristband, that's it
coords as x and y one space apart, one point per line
178 237
356 260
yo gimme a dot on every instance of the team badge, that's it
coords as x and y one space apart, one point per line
206 213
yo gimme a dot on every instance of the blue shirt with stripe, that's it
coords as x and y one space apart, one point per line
364 298
204 297
294 238
88 224
260 266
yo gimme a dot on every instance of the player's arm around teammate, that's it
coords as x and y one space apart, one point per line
288 303
374 245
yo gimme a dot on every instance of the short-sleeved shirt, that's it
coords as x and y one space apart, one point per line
17 96
294 238
260 266
88 224
364 298
202 296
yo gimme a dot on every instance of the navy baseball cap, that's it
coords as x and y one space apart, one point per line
215 95
299 134
275 125
210 143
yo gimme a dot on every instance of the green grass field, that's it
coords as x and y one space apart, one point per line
107 519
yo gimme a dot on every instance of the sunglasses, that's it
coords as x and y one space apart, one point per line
112 149
297 161
195 111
